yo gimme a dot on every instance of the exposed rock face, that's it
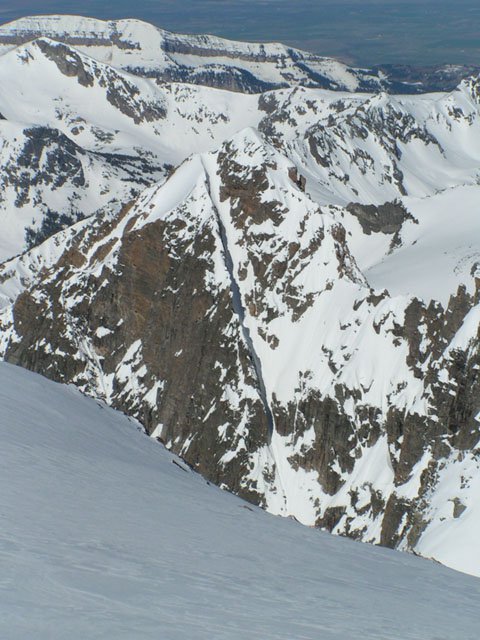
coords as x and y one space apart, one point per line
153 319
386 218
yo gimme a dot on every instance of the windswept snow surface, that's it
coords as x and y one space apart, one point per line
435 256
107 535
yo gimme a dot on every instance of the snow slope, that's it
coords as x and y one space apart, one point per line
435 256
107 535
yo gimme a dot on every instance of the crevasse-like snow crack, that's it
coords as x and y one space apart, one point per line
240 312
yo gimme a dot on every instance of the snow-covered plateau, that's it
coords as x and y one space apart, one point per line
283 286
107 535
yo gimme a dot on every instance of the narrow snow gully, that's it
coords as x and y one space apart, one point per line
240 312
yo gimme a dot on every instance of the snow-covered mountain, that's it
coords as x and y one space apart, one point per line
142 49
283 287
105 534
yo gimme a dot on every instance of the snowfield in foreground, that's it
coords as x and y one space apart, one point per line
107 535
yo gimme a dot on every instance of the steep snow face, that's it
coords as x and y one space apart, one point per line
106 534
60 165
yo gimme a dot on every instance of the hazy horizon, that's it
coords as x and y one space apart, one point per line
370 32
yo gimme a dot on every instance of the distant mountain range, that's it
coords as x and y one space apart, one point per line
145 50
280 280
